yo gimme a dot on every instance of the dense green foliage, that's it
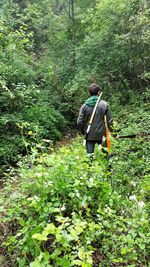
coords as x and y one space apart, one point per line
51 50
57 209
64 212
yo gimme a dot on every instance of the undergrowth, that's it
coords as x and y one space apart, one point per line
61 211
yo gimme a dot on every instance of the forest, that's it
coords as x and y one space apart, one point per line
57 209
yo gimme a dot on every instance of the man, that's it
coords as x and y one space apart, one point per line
97 130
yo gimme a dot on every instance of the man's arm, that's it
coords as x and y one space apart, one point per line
80 119
109 119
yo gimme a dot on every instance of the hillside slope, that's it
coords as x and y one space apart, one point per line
60 211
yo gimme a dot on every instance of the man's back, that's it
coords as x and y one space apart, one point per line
98 127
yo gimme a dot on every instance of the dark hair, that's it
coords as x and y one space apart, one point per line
94 89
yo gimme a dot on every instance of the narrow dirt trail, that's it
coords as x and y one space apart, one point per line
66 140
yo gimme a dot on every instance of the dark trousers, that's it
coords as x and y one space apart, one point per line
90 145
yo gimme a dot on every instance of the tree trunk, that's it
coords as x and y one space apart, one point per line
72 29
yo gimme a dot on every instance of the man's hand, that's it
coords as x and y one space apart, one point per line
117 136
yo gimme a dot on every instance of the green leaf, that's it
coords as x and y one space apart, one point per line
40 237
36 263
